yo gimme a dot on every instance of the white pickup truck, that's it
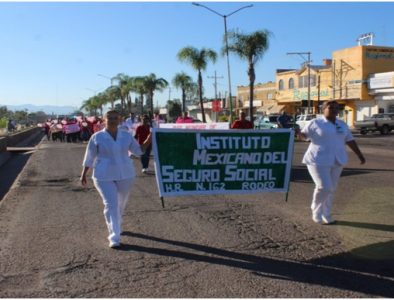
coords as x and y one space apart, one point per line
303 120
379 122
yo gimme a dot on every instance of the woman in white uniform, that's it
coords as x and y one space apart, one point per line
325 158
113 171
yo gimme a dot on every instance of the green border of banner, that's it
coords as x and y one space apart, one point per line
162 193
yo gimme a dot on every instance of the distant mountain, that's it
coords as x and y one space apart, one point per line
49 109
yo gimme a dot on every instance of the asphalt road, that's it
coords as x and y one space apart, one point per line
53 236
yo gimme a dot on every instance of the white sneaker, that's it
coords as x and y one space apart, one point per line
328 221
114 245
144 171
317 220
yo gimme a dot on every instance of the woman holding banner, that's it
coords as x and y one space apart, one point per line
113 171
325 158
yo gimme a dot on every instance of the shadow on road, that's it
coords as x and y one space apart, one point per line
305 272
381 227
375 259
10 171
301 174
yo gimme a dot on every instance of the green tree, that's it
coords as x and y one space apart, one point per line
250 47
20 116
90 105
192 92
140 89
174 109
184 82
5 113
125 86
113 93
153 84
198 59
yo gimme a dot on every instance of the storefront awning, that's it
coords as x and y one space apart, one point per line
271 109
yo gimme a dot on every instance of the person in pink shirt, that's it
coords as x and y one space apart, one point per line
184 118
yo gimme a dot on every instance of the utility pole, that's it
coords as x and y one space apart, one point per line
216 91
226 41
215 83
309 74
318 93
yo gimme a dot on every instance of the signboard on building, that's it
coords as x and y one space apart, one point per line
190 162
256 103
216 105
379 53
381 81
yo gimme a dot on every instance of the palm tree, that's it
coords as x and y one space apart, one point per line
153 84
198 59
113 93
250 47
182 81
99 101
90 105
192 91
124 84
140 89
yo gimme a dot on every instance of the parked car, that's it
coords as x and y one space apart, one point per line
303 120
266 122
378 122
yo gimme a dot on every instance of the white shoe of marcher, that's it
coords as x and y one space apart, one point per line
328 221
317 220
114 245
144 171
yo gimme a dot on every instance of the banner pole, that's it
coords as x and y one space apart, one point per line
162 202
291 166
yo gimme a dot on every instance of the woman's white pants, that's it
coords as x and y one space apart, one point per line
115 195
326 180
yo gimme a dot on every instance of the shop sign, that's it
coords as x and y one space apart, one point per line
298 95
379 54
381 82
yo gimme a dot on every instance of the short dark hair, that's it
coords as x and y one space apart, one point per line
329 103
111 112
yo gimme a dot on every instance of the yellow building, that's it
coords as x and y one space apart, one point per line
344 78
293 89
352 71
263 99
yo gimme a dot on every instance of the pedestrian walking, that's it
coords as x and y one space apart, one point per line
141 134
113 171
242 123
325 158
283 120
184 118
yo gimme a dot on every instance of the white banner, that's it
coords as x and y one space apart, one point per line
200 126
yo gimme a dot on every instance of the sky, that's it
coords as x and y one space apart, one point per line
52 52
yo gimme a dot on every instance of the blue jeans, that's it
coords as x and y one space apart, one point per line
145 157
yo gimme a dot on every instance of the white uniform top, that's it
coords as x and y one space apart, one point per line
328 142
129 123
109 158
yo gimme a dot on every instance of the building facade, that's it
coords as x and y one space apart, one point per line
360 78
294 90
264 101
344 78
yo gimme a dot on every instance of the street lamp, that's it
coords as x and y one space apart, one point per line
225 34
101 75
309 74
94 91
